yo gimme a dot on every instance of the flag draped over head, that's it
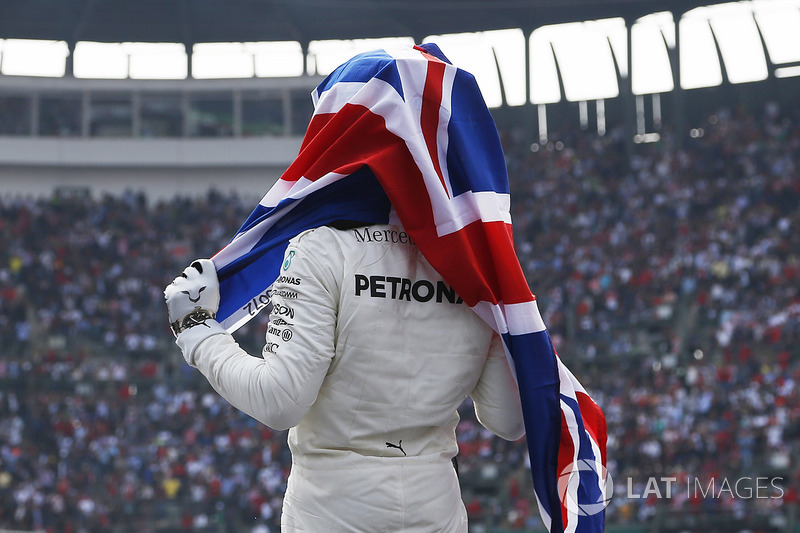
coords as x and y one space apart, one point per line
405 136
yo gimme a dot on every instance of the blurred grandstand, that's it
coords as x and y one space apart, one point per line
659 231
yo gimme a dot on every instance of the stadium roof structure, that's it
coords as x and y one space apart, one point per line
199 21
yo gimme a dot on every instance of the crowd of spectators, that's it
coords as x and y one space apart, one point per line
669 280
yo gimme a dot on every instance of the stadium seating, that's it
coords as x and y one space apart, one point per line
670 283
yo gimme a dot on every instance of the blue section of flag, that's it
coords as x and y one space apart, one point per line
362 68
538 381
357 197
473 143
434 50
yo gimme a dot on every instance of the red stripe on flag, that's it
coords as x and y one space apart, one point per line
429 115
566 454
487 262
341 142
594 421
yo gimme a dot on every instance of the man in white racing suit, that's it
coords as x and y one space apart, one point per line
368 355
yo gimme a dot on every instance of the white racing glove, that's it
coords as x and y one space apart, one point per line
193 297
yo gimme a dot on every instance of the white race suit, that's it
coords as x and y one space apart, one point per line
368 355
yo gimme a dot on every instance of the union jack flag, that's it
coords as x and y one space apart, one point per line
404 136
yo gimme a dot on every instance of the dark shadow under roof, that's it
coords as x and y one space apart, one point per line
192 21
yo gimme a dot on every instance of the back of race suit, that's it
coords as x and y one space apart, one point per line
375 447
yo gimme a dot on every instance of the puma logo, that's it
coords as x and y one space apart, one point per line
399 446
194 300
